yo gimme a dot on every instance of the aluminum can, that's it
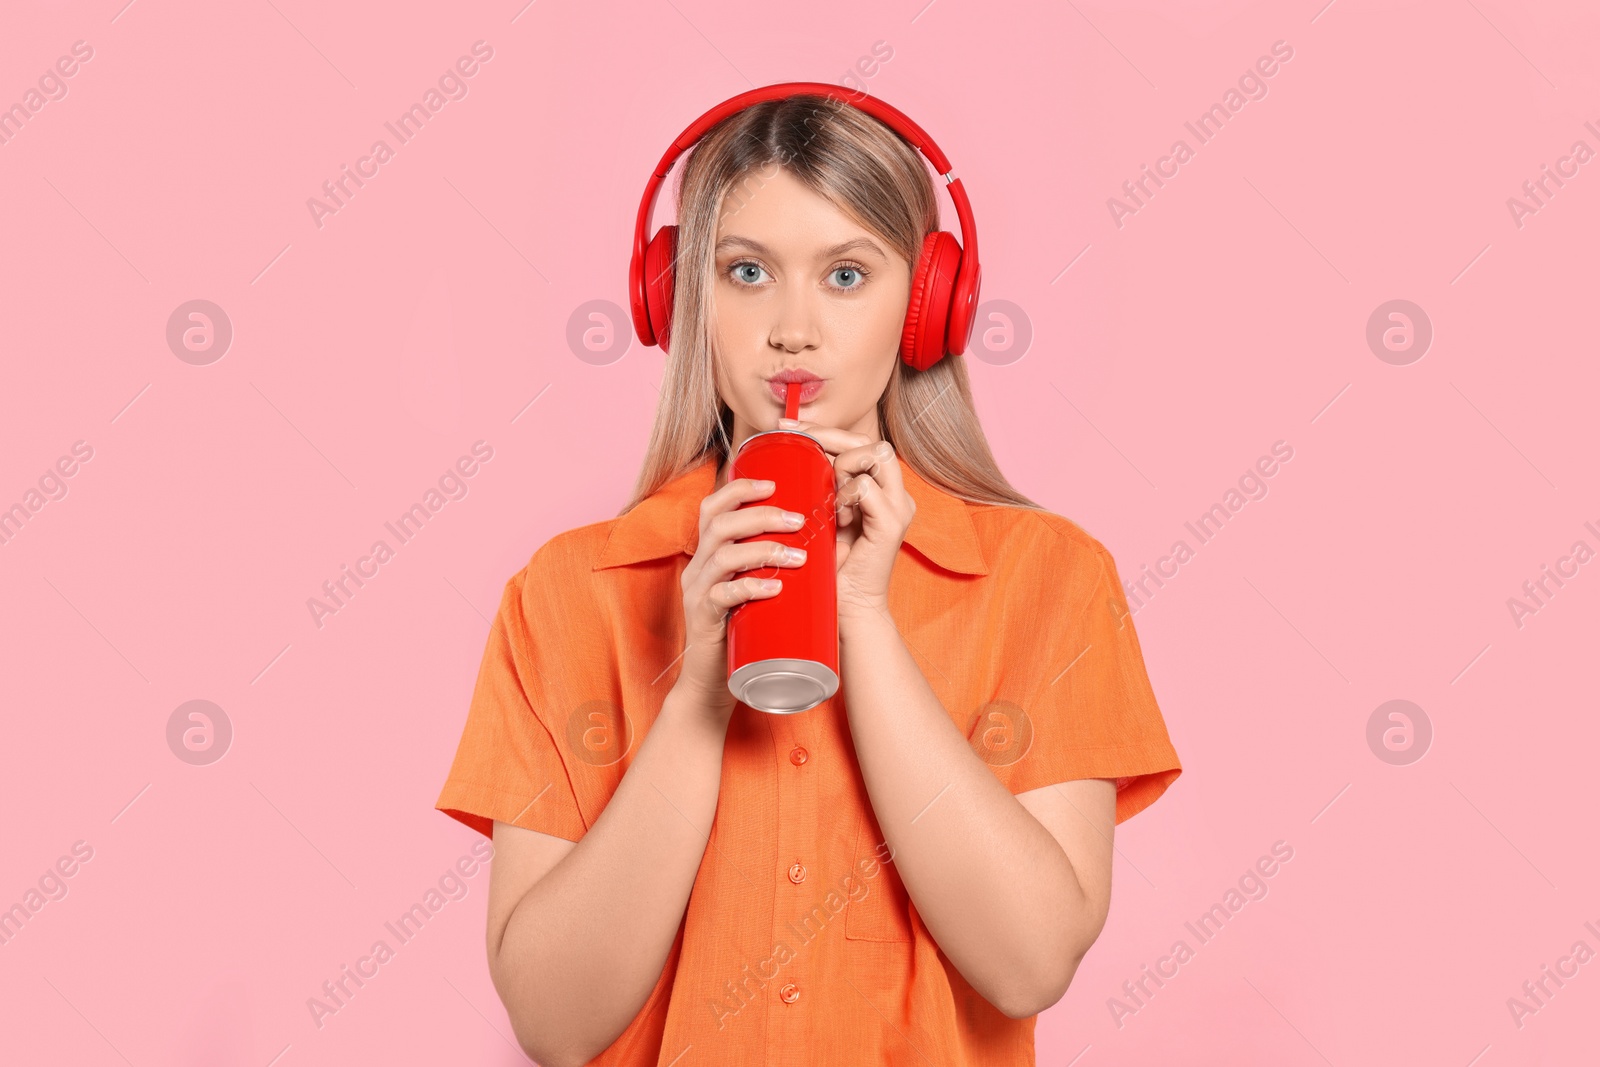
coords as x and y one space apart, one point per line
783 650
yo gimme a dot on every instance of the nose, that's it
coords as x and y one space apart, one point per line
797 326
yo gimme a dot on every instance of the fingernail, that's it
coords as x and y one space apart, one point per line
765 483
793 518
770 583
794 555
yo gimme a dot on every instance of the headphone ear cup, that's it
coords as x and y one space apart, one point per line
922 341
658 282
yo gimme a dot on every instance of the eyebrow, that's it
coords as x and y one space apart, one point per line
735 241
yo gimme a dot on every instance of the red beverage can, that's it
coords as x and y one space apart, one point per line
783 650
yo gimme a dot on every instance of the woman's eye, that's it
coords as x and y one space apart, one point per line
748 273
848 278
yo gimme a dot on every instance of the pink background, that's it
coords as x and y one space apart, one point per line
1228 313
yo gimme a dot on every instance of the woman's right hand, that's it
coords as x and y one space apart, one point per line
709 594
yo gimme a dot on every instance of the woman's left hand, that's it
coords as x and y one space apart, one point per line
874 512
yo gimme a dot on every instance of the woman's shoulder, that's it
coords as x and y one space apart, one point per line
1051 564
562 567
1034 534
578 547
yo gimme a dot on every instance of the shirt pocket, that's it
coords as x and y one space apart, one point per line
884 913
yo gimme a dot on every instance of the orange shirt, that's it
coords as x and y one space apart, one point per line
799 944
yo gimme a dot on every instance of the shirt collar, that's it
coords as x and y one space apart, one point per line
667 522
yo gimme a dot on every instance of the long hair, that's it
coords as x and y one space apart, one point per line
872 174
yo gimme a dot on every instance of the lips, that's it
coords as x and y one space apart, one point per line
810 385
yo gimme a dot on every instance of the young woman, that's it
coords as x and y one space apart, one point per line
906 873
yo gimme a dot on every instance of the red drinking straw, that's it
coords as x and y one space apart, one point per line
791 406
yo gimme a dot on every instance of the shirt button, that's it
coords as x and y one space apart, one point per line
797 874
798 756
789 993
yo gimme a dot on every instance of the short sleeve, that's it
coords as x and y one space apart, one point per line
508 765
1090 711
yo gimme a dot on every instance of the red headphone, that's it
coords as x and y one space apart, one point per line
944 285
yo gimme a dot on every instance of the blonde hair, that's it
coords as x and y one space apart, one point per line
872 174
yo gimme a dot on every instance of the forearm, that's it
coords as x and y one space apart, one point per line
995 889
584 948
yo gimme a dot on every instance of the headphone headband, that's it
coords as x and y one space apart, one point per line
967 274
